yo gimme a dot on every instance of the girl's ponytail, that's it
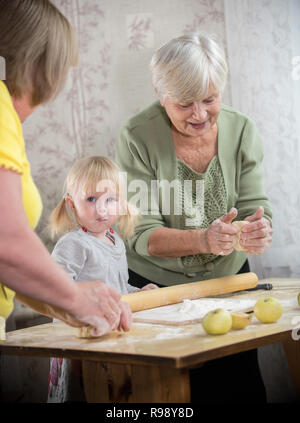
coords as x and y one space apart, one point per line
60 219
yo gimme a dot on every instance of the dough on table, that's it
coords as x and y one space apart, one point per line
84 332
236 243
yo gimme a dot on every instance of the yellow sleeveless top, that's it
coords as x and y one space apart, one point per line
13 157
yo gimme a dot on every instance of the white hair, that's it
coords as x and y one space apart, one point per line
183 68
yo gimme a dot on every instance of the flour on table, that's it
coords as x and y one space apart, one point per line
171 333
198 308
189 310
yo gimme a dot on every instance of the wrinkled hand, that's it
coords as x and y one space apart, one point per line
220 234
256 237
99 305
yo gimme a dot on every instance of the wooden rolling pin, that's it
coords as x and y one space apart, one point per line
143 300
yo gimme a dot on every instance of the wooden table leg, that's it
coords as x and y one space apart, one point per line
132 383
292 351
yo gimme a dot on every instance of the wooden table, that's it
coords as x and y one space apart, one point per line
151 362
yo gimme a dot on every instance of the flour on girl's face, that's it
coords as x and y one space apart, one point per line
95 211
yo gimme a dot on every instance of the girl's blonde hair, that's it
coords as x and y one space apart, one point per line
38 45
88 174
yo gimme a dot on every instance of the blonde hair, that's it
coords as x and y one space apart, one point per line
87 174
183 68
38 45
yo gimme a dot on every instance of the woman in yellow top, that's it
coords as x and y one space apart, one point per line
38 46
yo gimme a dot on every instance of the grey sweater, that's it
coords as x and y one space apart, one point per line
85 257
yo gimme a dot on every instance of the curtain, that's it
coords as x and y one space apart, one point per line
263 44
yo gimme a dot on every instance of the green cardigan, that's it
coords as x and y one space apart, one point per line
145 150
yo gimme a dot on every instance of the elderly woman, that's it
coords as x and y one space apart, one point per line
211 157
39 47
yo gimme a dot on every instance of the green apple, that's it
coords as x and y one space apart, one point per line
240 320
268 310
217 322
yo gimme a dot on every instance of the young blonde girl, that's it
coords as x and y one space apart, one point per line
94 217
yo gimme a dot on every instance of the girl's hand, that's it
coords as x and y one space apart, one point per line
256 237
220 235
149 286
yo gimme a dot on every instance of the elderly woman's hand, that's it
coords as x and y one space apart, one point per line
256 236
220 234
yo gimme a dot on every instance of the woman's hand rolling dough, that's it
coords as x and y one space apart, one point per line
100 307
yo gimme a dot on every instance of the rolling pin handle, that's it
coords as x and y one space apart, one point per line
266 286
269 286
